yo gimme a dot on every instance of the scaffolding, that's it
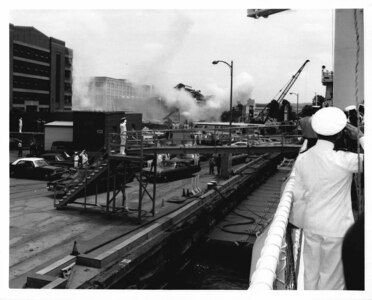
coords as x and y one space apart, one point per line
136 163
110 171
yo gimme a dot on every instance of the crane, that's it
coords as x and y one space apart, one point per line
283 94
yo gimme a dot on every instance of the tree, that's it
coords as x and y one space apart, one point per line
273 109
236 114
225 116
318 100
285 107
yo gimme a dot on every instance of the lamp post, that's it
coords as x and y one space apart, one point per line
297 95
231 66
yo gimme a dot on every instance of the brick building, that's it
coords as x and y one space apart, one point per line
40 71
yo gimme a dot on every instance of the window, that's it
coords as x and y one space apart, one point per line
21 163
40 163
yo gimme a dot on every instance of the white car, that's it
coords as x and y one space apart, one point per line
35 168
240 144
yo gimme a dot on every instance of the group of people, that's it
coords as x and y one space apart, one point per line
34 148
81 160
215 161
333 251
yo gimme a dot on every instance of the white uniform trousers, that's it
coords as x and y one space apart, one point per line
123 141
323 266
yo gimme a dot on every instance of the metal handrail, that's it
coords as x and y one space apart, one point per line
265 274
186 136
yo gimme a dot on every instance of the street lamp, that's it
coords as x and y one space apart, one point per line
297 95
231 66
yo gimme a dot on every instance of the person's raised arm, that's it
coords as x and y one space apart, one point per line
355 133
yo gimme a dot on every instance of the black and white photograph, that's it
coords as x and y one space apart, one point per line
186 151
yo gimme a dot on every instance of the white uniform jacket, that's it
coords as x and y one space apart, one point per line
322 197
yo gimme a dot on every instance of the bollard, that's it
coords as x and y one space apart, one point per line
75 250
193 186
198 183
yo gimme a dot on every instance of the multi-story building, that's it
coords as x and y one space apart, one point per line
40 71
110 94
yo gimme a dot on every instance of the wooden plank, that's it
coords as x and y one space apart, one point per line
55 267
59 283
37 281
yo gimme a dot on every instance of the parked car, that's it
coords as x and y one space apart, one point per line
189 159
57 159
246 144
62 146
168 169
270 142
240 144
35 168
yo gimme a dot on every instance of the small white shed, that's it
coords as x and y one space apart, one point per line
57 131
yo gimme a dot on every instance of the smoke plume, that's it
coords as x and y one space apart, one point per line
151 67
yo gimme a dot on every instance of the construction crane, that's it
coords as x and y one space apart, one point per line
261 115
256 13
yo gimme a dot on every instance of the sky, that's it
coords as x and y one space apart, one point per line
164 47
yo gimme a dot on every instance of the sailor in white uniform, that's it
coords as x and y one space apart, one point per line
322 199
123 135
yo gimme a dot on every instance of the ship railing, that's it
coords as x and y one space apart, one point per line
279 259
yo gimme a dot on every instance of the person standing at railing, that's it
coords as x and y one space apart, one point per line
76 160
84 159
322 200
20 124
20 148
307 130
211 165
123 135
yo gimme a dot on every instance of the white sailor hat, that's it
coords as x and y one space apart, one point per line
328 121
350 107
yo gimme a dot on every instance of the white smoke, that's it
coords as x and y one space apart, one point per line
243 88
151 66
81 98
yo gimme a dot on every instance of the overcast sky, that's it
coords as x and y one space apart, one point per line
166 47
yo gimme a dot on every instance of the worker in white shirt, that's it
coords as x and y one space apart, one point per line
76 160
322 200
84 159
123 135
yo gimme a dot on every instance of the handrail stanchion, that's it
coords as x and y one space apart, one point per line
140 183
154 183
85 187
108 188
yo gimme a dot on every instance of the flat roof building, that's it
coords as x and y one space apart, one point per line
112 94
40 71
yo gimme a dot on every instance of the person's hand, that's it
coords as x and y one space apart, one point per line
353 132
